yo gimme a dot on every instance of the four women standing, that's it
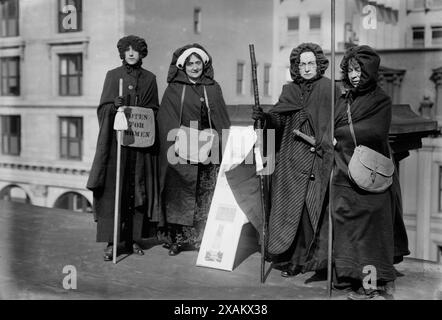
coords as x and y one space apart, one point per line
368 227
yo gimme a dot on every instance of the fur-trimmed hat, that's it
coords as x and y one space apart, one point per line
138 44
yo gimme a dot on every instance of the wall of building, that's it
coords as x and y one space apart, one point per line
227 29
39 167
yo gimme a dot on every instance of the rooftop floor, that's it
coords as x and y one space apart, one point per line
36 243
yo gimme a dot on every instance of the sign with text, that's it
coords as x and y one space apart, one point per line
141 127
226 219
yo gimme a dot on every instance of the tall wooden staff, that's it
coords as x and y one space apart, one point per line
332 121
119 127
259 146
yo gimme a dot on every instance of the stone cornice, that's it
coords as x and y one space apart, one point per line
44 168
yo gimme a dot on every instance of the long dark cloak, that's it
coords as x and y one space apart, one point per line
301 175
139 86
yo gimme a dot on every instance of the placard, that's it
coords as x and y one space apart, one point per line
141 127
226 219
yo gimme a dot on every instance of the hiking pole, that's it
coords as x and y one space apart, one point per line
258 160
332 122
120 124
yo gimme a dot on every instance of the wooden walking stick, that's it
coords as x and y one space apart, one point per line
120 124
258 147
332 121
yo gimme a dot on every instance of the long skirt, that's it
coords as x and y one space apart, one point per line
133 221
205 187
363 241
308 251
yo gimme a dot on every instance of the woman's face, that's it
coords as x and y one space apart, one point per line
131 56
307 65
354 72
194 67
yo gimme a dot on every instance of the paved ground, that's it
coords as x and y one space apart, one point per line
36 243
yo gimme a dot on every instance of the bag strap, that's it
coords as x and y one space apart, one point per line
350 123
182 103
208 107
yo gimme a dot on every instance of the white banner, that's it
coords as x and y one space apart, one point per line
226 219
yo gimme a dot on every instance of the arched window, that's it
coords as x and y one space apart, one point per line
73 201
14 193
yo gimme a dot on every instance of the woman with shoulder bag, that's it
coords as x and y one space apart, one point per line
191 119
369 232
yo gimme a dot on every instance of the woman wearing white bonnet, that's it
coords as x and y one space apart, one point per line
187 187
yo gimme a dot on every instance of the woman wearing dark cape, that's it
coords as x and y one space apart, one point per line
139 170
299 185
186 187
369 232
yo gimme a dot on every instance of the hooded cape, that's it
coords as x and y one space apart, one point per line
369 228
178 182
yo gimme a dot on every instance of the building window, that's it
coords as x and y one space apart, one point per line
197 20
71 73
71 136
267 79
418 36
436 35
73 201
240 78
10 76
9 18
70 16
15 194
293 23
11 128
315 22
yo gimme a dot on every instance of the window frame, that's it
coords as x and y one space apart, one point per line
266 79
4 29
68 140
437 28
67 76
197 15
61 15
240 66
6 133
4 75
288 24
310 22
420 42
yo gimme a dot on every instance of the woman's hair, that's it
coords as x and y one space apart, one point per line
295 58
352 62
138 44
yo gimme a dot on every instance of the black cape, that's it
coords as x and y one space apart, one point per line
369 229
178 182
138 87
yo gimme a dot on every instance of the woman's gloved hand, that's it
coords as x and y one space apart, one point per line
118 102
258 113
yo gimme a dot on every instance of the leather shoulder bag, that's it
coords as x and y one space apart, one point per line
369 169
